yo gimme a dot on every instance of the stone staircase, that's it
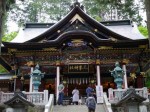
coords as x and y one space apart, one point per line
77 108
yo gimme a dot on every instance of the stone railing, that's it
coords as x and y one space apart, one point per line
37 98
107 105
115 95
49 106
149 96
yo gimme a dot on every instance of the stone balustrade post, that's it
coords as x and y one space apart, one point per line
46 96
110 94
1 96
145 92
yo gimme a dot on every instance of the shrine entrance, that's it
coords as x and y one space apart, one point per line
81 82
78 75
79 68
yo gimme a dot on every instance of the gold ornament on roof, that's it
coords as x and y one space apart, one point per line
57 63
58 31
30 63
77 17
15 77
133 75
98 61
143 74
77 42
125 61
95 30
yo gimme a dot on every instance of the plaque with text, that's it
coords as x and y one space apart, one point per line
78 68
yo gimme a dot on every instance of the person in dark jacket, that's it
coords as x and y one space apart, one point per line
89 90
91 103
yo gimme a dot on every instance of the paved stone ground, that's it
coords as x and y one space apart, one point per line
77 108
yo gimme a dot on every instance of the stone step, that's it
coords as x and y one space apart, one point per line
77 108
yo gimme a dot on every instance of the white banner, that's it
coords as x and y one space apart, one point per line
99 94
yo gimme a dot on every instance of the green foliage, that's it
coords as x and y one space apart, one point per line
9 37
39 10
113 9
147 83
2 69
143 30
54 10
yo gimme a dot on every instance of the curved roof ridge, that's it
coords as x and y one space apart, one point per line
82 14
80 32
56 25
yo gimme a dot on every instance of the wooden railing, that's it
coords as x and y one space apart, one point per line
37 98
115 95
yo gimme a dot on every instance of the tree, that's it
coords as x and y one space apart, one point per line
9 37
113 9
147 6
2 69
143 31
4 6
39 10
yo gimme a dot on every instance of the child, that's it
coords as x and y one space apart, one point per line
91 103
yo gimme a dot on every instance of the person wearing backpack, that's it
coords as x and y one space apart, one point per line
91 103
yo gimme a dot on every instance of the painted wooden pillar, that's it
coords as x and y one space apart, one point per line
98 72
57 79
31 85
125 74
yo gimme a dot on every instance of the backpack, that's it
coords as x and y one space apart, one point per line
91 103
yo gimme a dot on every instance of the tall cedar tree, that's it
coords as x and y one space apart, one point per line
4 6
113 9
39 11
147 6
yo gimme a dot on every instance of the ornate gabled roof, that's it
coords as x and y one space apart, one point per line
76 25
124 27
18 100
75 19
131 96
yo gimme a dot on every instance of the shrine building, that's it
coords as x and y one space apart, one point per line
78 51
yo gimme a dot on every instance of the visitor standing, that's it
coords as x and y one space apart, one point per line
89 90
49 90
75 97
91 103
61 94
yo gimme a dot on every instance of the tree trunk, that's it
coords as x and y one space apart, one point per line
2 12
147 5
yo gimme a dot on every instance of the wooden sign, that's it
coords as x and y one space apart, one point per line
78 68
